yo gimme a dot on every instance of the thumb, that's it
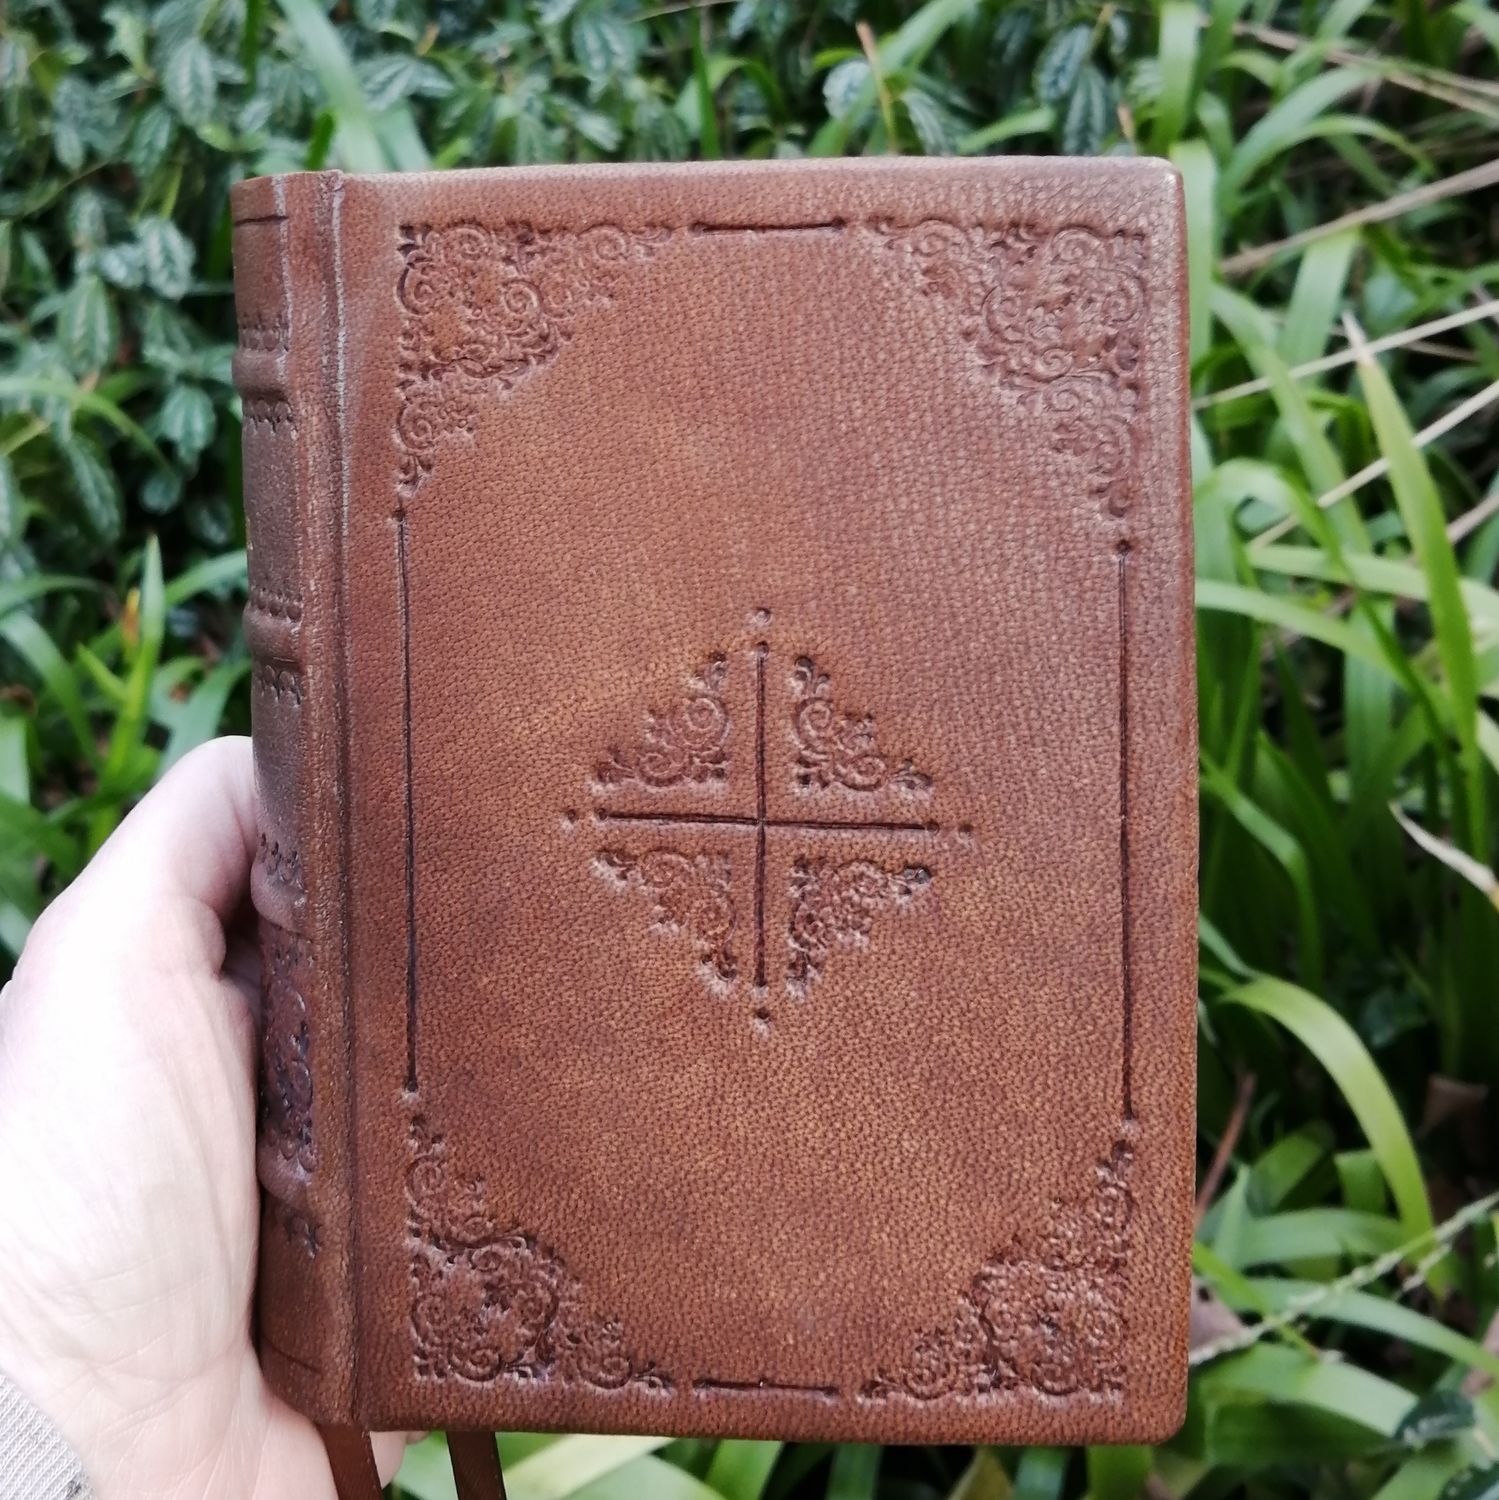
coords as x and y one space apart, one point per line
169 878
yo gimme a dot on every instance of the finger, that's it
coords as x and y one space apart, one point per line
242 968
193 833
390 1449
171 875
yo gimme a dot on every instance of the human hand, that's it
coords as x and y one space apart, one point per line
127 1162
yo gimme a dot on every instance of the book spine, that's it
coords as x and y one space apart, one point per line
286 371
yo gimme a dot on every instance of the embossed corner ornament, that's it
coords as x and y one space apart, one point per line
481 309
1046 1314
1057 319
491 1302
1043 1316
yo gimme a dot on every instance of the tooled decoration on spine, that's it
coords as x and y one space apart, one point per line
270 332
277 625
277 604
1057 319
483 308
1046 1314
279 681
269 412
299 1229
282 867
286 1045
491 1302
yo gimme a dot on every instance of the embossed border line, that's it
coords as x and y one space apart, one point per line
1119 504
598 255
408 756
1127 987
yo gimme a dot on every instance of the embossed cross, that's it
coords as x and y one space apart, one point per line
833 900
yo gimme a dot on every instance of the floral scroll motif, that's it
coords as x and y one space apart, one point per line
1058 319
491 1302
299 1228
286 1045
690 893
282 867
483 308
834 904
840 749
687 746
1044 1315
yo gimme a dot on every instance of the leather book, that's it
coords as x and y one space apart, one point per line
724 723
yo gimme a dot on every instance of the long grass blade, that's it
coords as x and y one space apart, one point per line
1335 1044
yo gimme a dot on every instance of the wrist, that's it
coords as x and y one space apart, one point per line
35 1458
114 1440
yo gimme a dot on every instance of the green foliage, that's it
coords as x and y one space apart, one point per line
1348 534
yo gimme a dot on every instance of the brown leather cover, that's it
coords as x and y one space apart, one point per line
724 721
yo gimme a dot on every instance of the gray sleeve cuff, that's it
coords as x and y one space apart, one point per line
35 1462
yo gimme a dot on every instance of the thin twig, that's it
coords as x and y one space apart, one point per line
674 10
1471 520
1444 351
1481 143
1456 530
1306 1304
1476 1382
882 90
1450 88
1474 871
1348 356
1472 180
1213 1177
1443 425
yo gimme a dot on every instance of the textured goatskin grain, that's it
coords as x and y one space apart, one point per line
724 722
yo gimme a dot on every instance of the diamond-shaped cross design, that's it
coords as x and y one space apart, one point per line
834 899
